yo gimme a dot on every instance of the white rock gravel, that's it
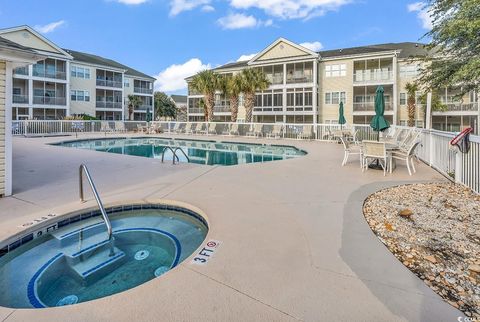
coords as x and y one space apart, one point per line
434 230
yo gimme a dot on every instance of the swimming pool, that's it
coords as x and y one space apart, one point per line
77 262
201 152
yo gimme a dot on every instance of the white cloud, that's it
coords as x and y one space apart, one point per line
45 29
422 13
173 77
178 6
246 57
291 9
240 20
132 2
313 46
208 8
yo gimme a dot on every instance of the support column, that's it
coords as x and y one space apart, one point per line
395 98
8 128
284 93
30 92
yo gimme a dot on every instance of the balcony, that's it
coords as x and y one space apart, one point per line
20 99
370 107
55 74
299 78
143 90
196 110
461 107
109 83
22 71
276 79
112 105
221 108
372 76
47 100
144 107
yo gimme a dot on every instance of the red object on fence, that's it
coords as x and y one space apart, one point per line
462 140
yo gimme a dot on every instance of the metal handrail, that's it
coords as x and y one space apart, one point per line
186 156
83 168
173 152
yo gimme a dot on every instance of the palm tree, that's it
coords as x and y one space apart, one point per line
412 89
254 80
206 82
232 86
133 103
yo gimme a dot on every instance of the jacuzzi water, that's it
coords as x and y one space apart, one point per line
201 152
78 263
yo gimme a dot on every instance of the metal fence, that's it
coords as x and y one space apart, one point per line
434 150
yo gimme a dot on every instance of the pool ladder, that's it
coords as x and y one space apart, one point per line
174 152
83 169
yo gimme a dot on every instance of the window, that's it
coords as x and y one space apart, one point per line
298 99
336 70
80 96
409 71
403 98
278 99
335 97
258 100
126 83
17 91
80 72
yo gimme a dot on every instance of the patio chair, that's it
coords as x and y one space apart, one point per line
257 130
409 140
154 128
351 150
276 132
306 132
176 128
373 150
407 156
120 127
189 128
105 127
140 128
212 128
329 134
233 130
201 129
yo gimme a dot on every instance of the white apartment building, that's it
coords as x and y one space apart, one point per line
69 82
308 86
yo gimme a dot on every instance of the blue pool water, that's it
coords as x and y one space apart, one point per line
78 263
201 152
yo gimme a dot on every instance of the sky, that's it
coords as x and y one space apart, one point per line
174 39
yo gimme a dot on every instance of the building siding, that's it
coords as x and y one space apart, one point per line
2 127
282 50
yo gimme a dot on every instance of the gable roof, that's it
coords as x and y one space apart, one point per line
405 50
106 62
302 51
42 38
5 43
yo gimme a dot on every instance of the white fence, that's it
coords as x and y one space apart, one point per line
434 149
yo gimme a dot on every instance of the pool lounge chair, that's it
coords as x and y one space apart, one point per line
120 127
276 132
201 129
257 130
232 130
306 132
105 127
176 128
212 128
189 128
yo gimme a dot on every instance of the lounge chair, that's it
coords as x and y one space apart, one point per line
154 128
374 150
257 130
232 130
105 127
189 128
201 129
176 128
276 132
351 150
306 132
212 128
120 127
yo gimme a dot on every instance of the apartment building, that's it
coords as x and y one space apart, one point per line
308 86
69 82
12 55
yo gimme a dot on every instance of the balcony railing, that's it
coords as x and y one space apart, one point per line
370 107
221 108
366 76
109 83
461 107
101 104
20 99
276 79
46 100
299 79
196 110
56 74
143 90
144 107
21 71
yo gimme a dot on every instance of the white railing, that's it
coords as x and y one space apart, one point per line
434 149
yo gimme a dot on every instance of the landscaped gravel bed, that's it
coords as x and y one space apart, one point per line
434 230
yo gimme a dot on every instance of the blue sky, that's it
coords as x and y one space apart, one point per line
172 39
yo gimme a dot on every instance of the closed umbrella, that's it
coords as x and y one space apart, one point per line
379 123
341 117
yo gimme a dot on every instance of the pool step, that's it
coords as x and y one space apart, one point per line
99 263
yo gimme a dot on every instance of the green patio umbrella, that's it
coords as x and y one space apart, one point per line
341 117
149 115
379 123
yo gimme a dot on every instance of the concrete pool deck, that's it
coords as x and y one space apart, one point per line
295 244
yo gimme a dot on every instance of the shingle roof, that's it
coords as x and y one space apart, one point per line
5 43
179 98
407 49
101 61
237 64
